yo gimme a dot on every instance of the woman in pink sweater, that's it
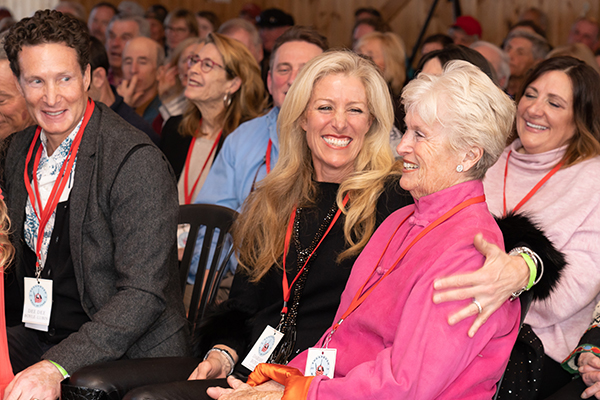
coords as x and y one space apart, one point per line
391 340
551 172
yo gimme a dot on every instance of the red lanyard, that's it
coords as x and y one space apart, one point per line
287 289
268 156
532 191
187 194
360 297
59 185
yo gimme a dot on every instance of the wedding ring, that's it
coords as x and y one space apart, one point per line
479 308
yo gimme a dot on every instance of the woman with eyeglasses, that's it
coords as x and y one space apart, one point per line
224 89
180 24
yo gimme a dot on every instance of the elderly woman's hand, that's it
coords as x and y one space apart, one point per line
491 285
239 390
589 368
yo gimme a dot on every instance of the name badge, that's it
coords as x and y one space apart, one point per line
262 349
320 362
37 305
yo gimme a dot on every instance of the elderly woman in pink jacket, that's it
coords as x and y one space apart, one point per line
388 339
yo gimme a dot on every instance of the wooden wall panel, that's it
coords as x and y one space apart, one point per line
334 18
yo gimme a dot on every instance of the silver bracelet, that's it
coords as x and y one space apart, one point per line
539 264
227 356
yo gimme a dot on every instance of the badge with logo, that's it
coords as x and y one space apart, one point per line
320 362
262 349
37 303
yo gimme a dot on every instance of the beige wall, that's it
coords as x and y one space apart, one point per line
334 18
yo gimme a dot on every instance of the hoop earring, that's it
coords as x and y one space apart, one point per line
459 168
227 100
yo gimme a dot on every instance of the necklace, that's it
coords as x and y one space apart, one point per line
287 325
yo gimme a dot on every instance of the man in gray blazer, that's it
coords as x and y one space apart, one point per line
101 282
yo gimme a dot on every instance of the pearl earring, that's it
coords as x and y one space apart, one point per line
459 168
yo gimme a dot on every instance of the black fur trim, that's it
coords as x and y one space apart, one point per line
521 230
224 324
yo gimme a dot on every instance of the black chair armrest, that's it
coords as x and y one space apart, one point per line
112 380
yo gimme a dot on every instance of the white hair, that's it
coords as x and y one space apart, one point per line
503 67
470 108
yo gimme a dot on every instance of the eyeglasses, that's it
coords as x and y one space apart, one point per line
206 64
176 29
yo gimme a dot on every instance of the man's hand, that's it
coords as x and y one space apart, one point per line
211 368
491 285
167 84
126 90
41 381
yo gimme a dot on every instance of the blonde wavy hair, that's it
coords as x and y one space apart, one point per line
247 103
6 249
394 57
259 231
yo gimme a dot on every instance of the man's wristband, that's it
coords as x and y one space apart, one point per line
227 356
63 371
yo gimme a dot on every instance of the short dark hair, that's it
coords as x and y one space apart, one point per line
459 52
585 83
105 4
440 38
530 24
369 10
211 17
378 24
299 34
98 56
157 12
45 27
187 16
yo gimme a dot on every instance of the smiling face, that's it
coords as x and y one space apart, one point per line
545 118
289 60
14 116
336 121
211 86
54 88
429 161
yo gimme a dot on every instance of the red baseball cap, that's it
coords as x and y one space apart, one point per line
468 24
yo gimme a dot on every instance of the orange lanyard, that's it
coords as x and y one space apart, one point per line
360 297
532 191
59 185
187 194
287 289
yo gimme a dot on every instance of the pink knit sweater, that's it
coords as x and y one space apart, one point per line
567 207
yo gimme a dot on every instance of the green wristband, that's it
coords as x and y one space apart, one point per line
64 372
532 269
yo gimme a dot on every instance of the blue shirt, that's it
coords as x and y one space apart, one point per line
241 159
240 163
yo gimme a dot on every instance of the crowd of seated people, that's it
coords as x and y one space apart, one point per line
356 275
